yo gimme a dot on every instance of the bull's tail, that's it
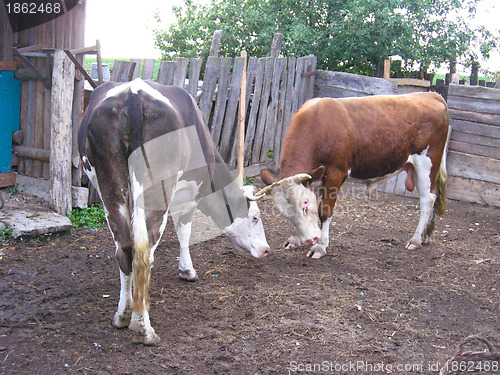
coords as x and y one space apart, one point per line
442 176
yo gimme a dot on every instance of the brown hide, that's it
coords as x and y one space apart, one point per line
370 137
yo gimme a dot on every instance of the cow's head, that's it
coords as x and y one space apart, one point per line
247 233
296 201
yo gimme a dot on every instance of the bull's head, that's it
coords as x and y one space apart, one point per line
296 201
247 234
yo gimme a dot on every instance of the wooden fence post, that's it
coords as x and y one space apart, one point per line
241 121
63 77
214 48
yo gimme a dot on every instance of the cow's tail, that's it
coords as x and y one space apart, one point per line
442 176
141 263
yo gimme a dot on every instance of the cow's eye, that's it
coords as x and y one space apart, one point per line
255 219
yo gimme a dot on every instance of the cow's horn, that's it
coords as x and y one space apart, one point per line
301 177
265 190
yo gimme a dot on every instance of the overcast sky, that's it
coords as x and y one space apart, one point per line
124 27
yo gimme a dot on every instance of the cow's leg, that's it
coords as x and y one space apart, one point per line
292 242
423 166
186 269
124 312
332 183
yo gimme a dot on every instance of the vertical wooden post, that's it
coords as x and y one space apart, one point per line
241 122
63 79
276 46
214 48
474 74
387 69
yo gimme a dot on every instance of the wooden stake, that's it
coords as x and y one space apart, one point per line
63 77
241 122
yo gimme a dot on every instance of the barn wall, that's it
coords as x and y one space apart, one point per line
474 148
65 32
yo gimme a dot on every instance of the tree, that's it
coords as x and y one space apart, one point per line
346 35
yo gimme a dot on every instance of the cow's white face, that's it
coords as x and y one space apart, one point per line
298 204
247 234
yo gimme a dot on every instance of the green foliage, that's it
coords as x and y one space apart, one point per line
248 181
91 217
4 234
346 35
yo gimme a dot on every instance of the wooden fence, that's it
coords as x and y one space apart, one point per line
275 88
474 150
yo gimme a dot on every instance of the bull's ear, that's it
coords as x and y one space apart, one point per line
267 177
318 173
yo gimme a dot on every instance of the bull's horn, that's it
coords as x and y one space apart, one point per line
265 190
301 177
298 179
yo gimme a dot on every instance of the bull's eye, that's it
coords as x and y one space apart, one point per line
305 205
255 219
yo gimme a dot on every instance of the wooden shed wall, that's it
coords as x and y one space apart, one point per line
474 150
66 31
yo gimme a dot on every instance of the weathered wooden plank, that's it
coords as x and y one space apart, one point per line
477 92
258 72
475 128
300 81
228 138
264 101
180 72
473 104
475 139
482 118
290 93
29 132
471 166
166 72
63 77
122 71
355 82
470 190
46 130
137 69
220 104
280 117
38 122
310 81
474 149
148 68
208 89
272 111
194 76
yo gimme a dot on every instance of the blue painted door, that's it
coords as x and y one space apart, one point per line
10 99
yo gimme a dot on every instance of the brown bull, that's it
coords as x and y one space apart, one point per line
369 139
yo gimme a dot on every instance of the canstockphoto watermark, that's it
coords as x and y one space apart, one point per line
334 367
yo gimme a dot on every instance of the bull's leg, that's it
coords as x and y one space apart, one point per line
186 269
124 312
332 183
292 242
319 249
423 166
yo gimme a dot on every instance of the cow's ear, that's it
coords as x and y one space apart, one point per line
318 173
267 177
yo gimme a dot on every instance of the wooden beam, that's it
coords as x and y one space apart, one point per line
387 69
46 80
63 79
80 68
276 45
31 153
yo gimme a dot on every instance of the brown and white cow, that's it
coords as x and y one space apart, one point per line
146 149
369 139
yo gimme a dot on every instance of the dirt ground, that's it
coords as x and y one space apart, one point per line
369 307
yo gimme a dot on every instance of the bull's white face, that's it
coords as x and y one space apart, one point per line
298 204
247 234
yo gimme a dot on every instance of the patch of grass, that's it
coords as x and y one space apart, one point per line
91 217
248 180
4 234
